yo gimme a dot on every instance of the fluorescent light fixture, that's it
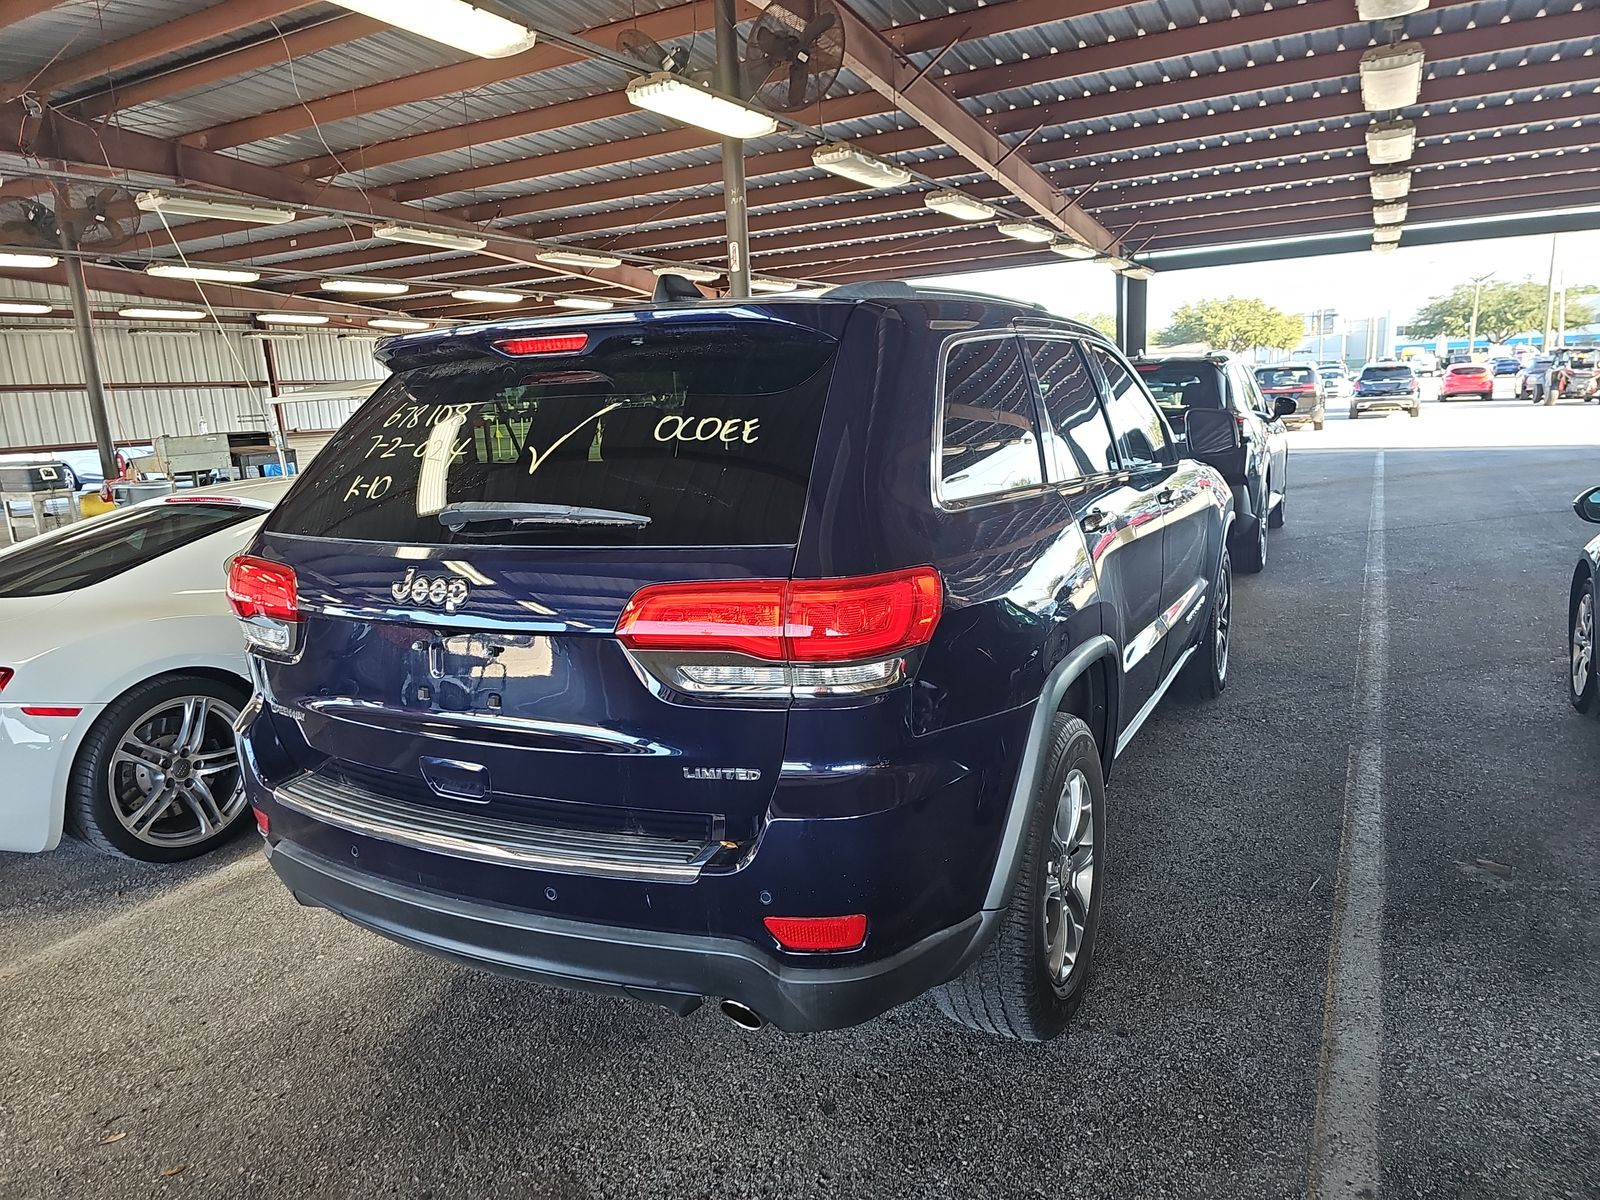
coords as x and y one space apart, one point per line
766 284
27 262
1391 76
357 337
1137 271
453 22
292 318
428 237
201 274
19 308
1390 142
586 303
365 287
15 330
221 210
162 314
958 205
687 271
272 335
578 258
1025 231
1386 233
164 333
1388 10
1116 262
1390 185
1384 247
488 296
675 97
869 170
402 323
1068 248
1393 213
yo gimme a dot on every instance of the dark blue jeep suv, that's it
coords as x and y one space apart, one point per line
774 651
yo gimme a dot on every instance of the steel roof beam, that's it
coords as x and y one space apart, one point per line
54 136
217 21
664 25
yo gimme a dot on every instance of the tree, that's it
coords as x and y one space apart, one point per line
1234 323
1504 310
1104 322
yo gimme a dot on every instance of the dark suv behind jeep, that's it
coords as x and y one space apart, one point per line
773 651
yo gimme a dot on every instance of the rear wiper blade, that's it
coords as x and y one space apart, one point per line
456 517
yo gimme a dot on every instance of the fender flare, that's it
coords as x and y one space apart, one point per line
1031 769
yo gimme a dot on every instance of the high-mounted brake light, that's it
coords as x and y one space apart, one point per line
266 598
557 343
818 934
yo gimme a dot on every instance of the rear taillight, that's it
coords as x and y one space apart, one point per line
818 934
6 674
776 637
263 822
265 597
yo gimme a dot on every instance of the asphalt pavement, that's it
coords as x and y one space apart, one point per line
195 1033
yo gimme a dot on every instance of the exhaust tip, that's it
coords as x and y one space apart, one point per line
742 1015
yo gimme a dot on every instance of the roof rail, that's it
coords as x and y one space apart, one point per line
889 289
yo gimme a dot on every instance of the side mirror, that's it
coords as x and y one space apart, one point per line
1587 506
1211 433
1285 406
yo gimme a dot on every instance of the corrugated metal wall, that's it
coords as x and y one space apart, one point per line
214 383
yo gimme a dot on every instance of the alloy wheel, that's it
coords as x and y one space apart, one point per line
1069 880
174 776
1583 643
1222 621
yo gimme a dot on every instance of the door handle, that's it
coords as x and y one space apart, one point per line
1094 520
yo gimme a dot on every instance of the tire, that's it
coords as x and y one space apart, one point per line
1581 689
1030 981
1275 517
1206 675
1355 411
1416 409
116 782
1317 424
1252 550
1546 397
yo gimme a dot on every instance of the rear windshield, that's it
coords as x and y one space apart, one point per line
1385 373
701 437
1183 385
101 549
1275 377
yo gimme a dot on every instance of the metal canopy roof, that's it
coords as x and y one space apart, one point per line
1173 129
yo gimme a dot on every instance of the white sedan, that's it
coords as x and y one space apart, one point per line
122 670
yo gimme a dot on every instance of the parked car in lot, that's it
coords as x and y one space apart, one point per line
1386 384
1336 383
121 673
1467 379
1506 366
82 465
1258 471
1583 603
672 653
1299 383
1572 374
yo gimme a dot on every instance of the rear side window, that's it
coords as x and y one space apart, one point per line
1136 425
988 441
1281 377
102 549
1078 430
701 436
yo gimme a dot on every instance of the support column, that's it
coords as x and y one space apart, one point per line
1132 296
99 416
733 197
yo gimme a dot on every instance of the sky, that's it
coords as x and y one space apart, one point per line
1356 285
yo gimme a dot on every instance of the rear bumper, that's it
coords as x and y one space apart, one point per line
36 756
675 970
1387 400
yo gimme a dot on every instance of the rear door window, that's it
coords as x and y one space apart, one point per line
1386 374
1136 426
1079 439
1285 377
102 549
989 441
701 436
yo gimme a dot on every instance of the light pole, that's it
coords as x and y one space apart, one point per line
1472 329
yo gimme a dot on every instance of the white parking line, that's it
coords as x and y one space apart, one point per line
1344 1141
196 889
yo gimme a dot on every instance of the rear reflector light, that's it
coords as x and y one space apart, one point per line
813 934
800 620
263 822
559 343
36 710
